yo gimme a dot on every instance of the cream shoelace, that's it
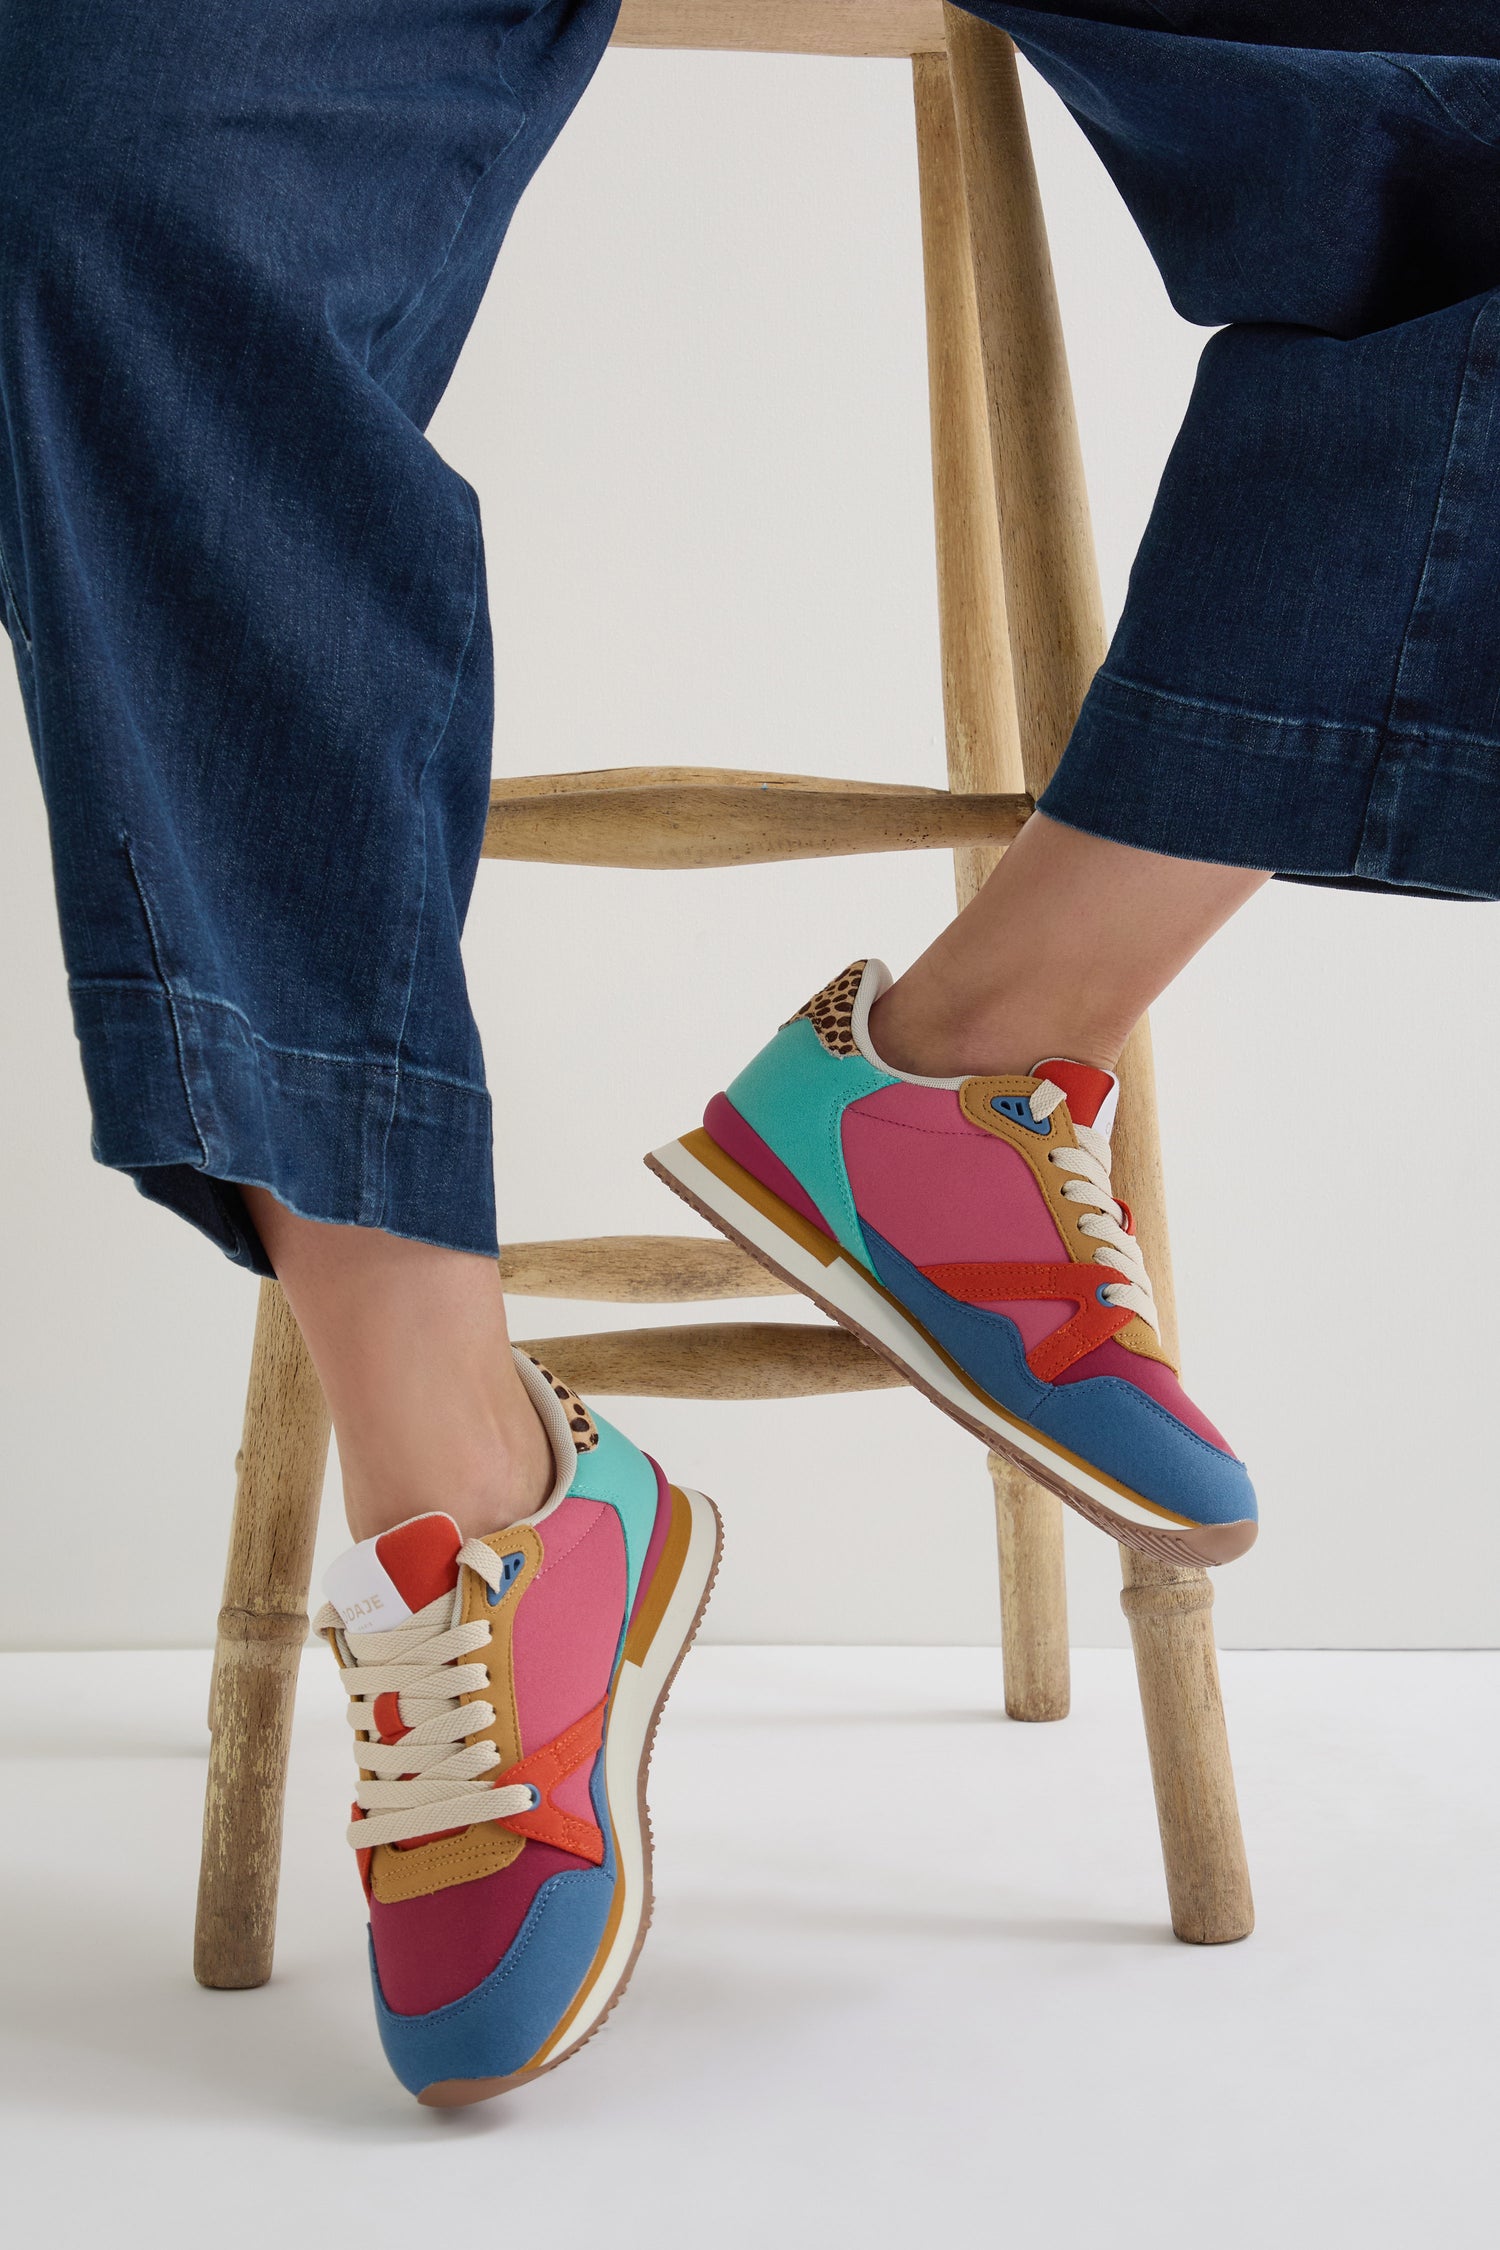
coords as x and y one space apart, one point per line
1104 1223
429 1780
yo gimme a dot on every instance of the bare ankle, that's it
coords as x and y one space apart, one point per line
995 1039
411 1346
485 1487
1070 941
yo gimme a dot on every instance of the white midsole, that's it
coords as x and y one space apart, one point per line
638 1691
842 1283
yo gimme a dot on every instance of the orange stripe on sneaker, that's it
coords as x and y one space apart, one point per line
542 1770
653 1606
1001 1281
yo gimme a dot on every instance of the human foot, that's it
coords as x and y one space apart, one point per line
965 1228
504 1845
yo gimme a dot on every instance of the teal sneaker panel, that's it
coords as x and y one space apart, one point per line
794 1095
619 1474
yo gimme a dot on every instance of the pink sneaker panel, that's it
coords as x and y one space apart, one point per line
723 1123
567 1632
1036 1317
941 1190
658 1539
1148 1375
435 1949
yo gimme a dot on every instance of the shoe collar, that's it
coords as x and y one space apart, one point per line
1091 1094
382 1582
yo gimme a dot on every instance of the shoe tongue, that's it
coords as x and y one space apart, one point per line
1090 1094
384 1581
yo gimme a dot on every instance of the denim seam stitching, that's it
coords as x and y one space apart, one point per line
1110 678
7 583
186 996
439 740
389 366
1387 726
1441 101
12 602
1397 729
164 984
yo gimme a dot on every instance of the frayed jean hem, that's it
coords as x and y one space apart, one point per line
192 1104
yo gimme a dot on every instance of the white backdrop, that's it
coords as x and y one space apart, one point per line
694 407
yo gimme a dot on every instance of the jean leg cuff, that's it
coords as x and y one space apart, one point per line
191 1102
1313 800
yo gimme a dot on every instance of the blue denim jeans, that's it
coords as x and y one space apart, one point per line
240 248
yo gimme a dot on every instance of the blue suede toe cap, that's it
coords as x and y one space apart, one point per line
497 2028
1130 1436
1109 1423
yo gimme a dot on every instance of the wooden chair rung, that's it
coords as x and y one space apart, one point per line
689 816
785 27
637 1269
1022 631
716 1359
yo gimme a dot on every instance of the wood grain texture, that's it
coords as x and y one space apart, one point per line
1054 611
1137 1172
637 1269
1056 630
1203 1848
662 819
984 753
1033 1595
785 27
263 1629
592 779
979 706
1052 604
717 1359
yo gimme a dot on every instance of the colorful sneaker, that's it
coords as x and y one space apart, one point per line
504 1694
965 1228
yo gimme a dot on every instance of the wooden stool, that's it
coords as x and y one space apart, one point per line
1022 634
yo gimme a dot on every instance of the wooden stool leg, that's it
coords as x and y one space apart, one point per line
262 1631
1056 628
984 754
1171 1628
1033 1595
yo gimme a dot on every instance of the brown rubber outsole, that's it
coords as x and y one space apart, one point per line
463 2093
1191 1548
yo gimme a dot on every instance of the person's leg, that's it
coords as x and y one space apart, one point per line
1061 953
411 1348
239 250
246 600
1303 679
1304 682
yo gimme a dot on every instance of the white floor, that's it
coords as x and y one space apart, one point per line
910 1980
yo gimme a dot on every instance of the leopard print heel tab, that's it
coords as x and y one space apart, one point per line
831 1011
582 1427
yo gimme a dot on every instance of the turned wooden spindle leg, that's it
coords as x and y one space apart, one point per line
1033 1594
1056 628
262 1632
984 754
1171 1628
